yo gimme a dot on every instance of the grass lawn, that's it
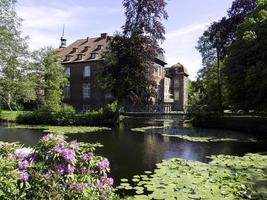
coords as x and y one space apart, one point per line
10 116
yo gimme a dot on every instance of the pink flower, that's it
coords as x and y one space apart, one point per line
23 164
23 176
84 170
47 137
68 155
75 144
60 170
104 164
69 169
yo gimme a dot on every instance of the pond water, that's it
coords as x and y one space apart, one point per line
132 153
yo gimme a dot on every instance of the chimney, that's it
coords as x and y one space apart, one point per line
104 35
87 39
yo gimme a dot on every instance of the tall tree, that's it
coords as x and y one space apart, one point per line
246 65
14 85
131 55
216 40
49 78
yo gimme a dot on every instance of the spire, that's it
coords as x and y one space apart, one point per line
63 32
63 41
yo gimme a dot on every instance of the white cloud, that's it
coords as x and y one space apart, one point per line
180 47
43 23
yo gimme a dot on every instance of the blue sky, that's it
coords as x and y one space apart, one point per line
43 21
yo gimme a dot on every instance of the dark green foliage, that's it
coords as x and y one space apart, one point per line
235 123
214 46
246 66
69 117
129 69
49 77
203 93
131 56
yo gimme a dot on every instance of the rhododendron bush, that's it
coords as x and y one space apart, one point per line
54 169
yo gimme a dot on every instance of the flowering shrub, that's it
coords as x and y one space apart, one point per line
55 169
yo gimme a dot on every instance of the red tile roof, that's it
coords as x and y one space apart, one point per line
85 47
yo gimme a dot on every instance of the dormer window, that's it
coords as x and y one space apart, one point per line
93 56
80 56
99 47
86 48
68 57
74 50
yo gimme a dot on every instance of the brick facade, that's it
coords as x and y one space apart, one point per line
83 64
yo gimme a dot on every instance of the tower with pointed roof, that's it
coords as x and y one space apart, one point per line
63 41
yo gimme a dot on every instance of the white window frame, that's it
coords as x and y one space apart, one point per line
67 71
93 56
80 56
87 71
86 90
68 57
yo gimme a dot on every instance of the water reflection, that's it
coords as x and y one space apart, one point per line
132 153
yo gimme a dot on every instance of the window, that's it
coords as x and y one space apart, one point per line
68 57
80 56
176 83
93 56
98 47
87 71
86 48
67 71
176 95
159 71
67 92
86 90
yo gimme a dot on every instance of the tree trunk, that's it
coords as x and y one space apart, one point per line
8 102
219 85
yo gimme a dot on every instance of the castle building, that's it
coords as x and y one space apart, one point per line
83 64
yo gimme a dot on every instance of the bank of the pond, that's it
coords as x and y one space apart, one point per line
236 123
9 116
225 177
102 117
62 129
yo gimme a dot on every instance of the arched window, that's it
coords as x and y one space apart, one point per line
87 71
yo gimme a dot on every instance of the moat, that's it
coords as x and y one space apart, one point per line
132 153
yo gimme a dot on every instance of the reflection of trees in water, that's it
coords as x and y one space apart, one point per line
153 150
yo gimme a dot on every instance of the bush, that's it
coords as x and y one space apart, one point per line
54 169
67 116
255 125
